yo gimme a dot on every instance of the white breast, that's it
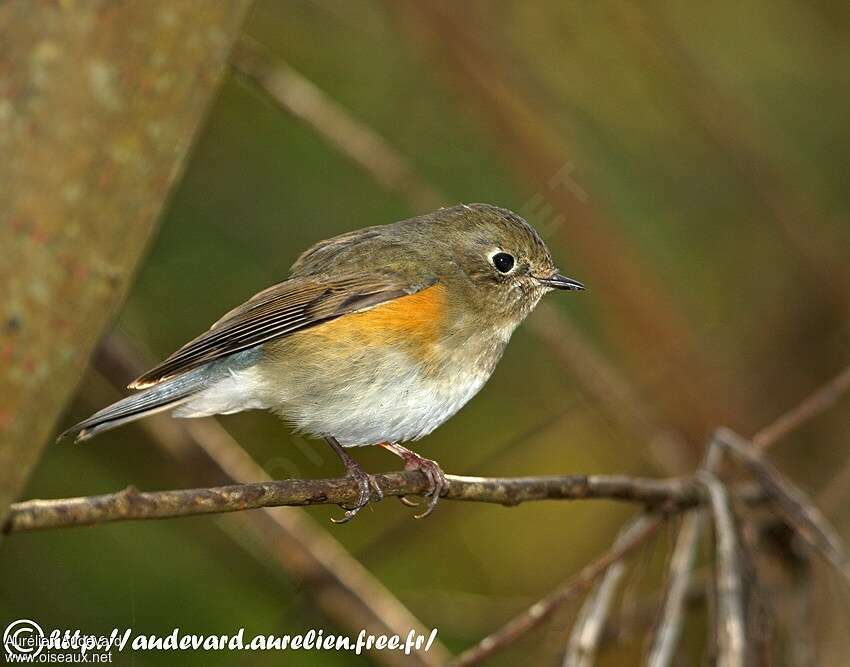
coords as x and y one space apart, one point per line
403 406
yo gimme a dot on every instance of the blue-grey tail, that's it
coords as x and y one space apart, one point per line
163 396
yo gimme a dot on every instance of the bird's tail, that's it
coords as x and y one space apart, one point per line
163 396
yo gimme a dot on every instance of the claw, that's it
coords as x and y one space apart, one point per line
365 483
404 500
369 489
349 515
437 482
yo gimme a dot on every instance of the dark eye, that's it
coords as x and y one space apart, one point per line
503 262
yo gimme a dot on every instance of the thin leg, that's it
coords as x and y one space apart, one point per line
353 470
404 500
431 469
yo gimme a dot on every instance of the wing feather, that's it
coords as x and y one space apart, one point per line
293 305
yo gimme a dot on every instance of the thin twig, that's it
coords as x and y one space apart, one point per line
542 610
813 405
731 640
794 505
133 504
666 638
816 403
587 632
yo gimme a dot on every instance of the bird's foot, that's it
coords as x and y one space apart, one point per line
437 482
369 491
368 487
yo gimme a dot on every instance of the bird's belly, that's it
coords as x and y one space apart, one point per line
371 400
406 410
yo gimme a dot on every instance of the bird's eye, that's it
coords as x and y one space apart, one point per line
503 262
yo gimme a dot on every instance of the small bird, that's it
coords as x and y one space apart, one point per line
377 337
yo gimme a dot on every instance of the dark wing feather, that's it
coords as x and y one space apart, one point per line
293 305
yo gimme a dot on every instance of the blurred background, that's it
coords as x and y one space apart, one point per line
688 163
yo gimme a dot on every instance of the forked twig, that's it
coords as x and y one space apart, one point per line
793 504
731 625
587 631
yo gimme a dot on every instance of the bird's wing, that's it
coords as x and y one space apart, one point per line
293 305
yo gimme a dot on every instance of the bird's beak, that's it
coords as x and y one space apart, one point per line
560 282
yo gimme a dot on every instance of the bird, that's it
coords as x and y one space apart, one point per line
376 337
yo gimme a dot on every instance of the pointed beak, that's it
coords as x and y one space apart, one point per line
560 282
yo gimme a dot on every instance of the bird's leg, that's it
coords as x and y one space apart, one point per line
353 470
404 500
431 469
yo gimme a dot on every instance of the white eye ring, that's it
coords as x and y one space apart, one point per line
504 262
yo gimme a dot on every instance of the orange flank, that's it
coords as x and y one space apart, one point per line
415 319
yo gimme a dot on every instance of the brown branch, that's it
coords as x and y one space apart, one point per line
813 405
542 610
132 504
